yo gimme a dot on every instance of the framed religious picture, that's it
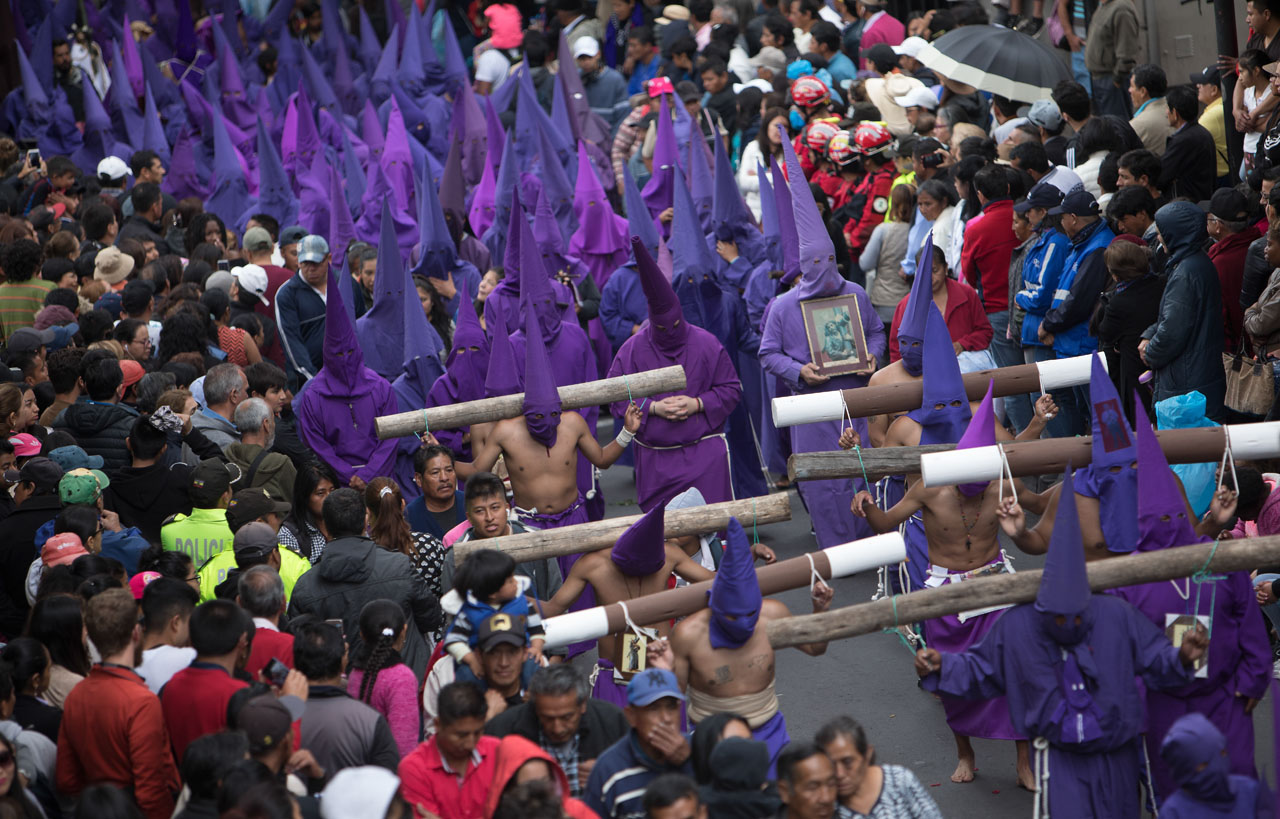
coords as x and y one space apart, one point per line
833 328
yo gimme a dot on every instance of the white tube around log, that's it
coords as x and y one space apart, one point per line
1260 440
845 559
791 410
1066 372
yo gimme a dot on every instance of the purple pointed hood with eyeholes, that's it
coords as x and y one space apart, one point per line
381 329
701 187
153 136
371 133
911 328
501 377
730 216
659 191
1064 586
481 213
495 238
820 276
666 329
344 372
495 136
546 234
453 188
1162 512
466 365
370 49
536 294
397 160
600 231
99 139
132 61
556 182
734 599
980 432
230 198
470 128
788 242
1196 752
639 222
944 412
541 398
384 74
641 550
127 117
1112 476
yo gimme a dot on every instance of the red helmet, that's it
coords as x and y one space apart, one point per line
839 149
872 138
808 92
818 133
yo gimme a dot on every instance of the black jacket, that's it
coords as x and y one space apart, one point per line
1189 165
602 726
1122 316
145 496
17 550
354 570
1256 272
100 429
137 227
1185 349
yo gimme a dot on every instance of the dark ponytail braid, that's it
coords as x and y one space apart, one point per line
381 622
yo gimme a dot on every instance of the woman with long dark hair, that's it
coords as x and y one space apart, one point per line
186 331
433 306
58 623
390 530
379 676
205 228
304 530
28 664
757 152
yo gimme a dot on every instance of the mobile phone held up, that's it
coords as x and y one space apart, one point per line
276 672
33 158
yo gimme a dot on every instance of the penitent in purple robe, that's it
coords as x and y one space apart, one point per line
1239 652
672 456
337 409
784 349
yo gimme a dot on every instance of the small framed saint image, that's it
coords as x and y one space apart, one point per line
833 328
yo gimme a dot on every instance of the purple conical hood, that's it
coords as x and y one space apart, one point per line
639 222
788 242
559 188
343 359
730 211
660 188
313 197
99 139
185 44
385 73
275 193
734 599
132 62
817 254
230 197
371 132
344 83
561 115
317 83
502 377
341 229
395 17
397 161
453 187
230 83
541 399
600 230
689 249
231 30
42 57
911 329
471 128
468 333
770 227
20 31
494 136
641 550
535 283
1113 472
381 329
455 64
504 192
481 214
1113 443
369 225
96 117
1162 512
944 411
439 254
511 252
980 432
34 92
588 125
701 188
370 49
153 137
666 330
1064 586
300 143
546 233
410 72
353 169
128 118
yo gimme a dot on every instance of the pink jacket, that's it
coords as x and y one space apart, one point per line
395 696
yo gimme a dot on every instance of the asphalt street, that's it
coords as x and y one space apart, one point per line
871 678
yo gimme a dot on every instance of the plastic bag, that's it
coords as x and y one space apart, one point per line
1188 412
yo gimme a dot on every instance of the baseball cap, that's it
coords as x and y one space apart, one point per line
1077 203
62 336
292 235
254 540
910 47
113 167
769 57
267 719
112 266
1045 114
209 480
82 486
1228 204
256 240
139 582
40 471
1209 75
219 280
651 685
312 249
688 92
501 628
355 793
73 457
881 54
29 339
253 278
62 549
133 372
918 97
112 302
251 504
658 86
25 445
585 47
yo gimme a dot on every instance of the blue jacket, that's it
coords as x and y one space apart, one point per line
1041 271
421 520
622 305
300 319
1084 275
620 775
127 545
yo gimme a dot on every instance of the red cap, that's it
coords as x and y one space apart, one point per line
133 372
61 549
139 582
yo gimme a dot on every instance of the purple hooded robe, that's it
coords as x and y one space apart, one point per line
672 456
1116 492
1195 751
464 373
1239 653
1073 685
784 350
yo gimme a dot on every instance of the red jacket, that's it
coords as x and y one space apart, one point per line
514 751
424 781
875 187
268 643
195 703
1228 255
966 321
113 730
988 246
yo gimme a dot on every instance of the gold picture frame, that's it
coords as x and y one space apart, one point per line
837 342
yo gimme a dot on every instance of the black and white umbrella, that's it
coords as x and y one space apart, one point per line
997 60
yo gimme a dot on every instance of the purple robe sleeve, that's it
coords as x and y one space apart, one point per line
1155 658
760 289
622 306
773 357
872 327
738 272
976 674
722 396
1253 672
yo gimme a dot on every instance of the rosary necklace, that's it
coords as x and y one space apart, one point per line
968 527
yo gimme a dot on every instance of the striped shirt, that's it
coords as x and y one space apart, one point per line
615 789
19 303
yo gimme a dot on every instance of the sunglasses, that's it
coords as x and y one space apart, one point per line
6 758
